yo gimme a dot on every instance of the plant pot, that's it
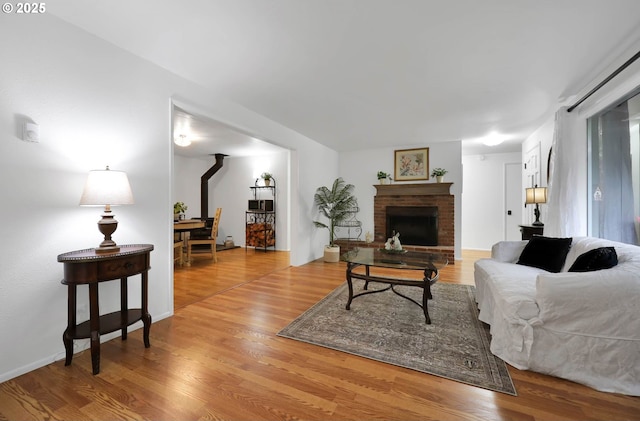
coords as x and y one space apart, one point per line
439 178
383 180
267 181
332 254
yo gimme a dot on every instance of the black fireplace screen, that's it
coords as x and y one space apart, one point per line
417 225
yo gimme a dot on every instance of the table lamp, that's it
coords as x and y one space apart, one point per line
107 188
534 196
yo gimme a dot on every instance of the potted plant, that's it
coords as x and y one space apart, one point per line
179 208
439 173
266 176
335 204
384 177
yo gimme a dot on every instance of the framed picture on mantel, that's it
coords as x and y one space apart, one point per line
411 164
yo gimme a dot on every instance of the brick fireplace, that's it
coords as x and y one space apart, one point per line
423 195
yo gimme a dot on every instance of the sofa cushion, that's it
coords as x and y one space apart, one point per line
545 253
596 259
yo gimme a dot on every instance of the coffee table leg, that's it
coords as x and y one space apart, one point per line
430 276
350 284
426 293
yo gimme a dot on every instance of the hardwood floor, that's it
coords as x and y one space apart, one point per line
219 358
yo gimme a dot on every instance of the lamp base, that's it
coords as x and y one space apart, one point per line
107 249
536 212
107 226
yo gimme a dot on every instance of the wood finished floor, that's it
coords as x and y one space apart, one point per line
219 357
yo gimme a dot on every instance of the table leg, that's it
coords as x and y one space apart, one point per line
350 284
430 277
146 317
94 317
426 293
124 306
67 336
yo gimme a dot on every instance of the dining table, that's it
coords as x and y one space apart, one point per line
186 225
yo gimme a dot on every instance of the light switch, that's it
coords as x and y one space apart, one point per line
31 132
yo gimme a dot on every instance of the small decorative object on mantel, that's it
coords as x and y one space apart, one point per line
383 177
179 208
438 174
393 243
267 178
368 237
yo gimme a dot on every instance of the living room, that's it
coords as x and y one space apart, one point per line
97 104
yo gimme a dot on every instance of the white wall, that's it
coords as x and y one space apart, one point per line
360 168
96 105
483 199
233 196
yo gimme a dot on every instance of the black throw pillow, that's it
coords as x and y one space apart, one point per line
596 259
546 253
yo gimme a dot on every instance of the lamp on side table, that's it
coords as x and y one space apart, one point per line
534 196
107 188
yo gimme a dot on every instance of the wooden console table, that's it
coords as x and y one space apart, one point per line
85 267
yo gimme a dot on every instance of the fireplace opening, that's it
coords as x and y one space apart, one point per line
417 225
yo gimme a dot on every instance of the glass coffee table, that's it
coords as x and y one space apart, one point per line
361 260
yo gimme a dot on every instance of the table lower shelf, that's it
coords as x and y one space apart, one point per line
108 323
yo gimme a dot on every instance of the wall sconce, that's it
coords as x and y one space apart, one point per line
107 188
182 140
534 196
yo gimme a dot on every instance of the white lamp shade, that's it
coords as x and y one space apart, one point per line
535 195
106 187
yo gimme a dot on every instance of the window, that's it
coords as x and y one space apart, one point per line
614 172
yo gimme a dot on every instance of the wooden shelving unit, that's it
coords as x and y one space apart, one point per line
261 223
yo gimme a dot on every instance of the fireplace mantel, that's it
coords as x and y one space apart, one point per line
421 189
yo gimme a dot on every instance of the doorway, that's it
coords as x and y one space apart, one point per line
246 158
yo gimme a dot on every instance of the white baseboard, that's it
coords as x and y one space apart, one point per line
78 346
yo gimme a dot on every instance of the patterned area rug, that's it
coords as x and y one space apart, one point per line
391 329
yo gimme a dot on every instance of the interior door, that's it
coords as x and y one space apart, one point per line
513 201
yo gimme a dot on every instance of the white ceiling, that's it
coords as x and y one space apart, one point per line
355 74
209 137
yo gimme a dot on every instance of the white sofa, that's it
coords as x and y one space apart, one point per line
581 326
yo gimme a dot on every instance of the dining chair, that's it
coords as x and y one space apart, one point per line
204 241
178 256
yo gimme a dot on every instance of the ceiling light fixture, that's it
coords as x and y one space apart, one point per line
493 139
182 140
